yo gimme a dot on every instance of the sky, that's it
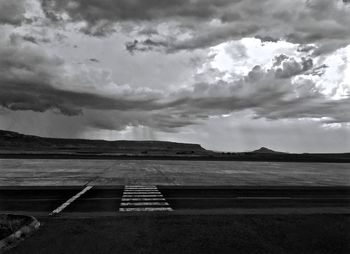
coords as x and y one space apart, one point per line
231 75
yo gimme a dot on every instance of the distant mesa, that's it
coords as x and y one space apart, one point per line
16 142
16 145
265 151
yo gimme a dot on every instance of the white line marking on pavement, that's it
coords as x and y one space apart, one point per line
142 196
141 188
142 199
144 204
263 197
145 209
140 192
71 200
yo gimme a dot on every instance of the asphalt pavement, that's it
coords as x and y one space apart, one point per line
109 200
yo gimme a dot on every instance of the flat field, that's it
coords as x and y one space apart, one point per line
60 172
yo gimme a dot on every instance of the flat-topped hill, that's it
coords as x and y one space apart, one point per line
16 141
16 145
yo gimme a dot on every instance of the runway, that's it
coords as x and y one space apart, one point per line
114 200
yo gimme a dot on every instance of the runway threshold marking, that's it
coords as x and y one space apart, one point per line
140 198
264 198
142 195
69 201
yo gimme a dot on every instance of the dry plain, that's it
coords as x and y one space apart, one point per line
61 172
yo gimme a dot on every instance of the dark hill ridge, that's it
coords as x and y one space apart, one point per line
15 141
265 150
16 145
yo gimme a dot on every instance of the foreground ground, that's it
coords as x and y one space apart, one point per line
223 207
205 219
173 233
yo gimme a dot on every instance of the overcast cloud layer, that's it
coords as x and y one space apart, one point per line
179 70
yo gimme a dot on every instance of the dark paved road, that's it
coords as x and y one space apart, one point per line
106 200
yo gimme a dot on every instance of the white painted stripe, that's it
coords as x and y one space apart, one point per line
144 204
142 199
143 196
140 192
263 197
145 209
138 188
71 200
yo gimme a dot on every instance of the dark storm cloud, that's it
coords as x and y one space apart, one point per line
332 111
206 38
12 12
99 29
322 22
148 31
131 46
99 15
31 80
319 70
95 10
41 97
16 39
305 48
266 38
30 38
145 45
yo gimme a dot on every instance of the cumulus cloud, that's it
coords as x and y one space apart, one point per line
31 79
260 91
289 67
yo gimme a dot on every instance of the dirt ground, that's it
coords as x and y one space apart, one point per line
59 172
